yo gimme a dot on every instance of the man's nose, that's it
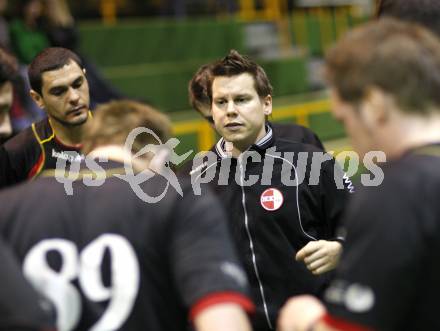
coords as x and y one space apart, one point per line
231 108
74 96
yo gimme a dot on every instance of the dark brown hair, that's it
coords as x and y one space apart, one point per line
198 88
235 64
402 59
52 58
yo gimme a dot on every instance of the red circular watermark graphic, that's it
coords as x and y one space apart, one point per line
271 199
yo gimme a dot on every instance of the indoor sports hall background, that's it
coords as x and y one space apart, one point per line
149 49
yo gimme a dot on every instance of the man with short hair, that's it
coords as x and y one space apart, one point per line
200 101
385 82
59 86
125 251
275 213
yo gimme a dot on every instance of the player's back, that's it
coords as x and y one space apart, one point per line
110 260
419 171
392 250
21 308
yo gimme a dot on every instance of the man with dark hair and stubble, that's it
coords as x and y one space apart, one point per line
283 225
110 258
59 86
385 82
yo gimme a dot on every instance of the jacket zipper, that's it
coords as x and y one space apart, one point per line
251 245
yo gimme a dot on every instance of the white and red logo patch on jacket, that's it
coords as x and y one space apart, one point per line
271 199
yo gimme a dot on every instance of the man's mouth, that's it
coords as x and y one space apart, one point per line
76 110
233 125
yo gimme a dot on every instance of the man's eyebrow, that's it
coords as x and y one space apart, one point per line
78 79
57 88
64 86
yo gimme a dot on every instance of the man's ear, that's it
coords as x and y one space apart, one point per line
377 106
267 105
37 98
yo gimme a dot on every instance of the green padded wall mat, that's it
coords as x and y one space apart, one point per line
326 126
165 85
152 41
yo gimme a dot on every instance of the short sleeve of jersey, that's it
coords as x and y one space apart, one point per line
382 259
20 307
202 256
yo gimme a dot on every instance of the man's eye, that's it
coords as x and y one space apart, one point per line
57 92
220 102
77 84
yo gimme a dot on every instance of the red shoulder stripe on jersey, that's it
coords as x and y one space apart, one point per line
36 167
218 298
341 324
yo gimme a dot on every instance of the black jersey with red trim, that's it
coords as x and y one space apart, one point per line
388 276
111 259
21 308
278 198
32 151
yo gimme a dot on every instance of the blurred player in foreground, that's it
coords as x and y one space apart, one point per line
111 259
385 82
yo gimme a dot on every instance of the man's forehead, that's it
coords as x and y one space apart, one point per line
63 75
238 84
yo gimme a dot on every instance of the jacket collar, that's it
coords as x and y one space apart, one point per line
260 145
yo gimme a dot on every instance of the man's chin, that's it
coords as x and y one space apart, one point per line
80 120
73 122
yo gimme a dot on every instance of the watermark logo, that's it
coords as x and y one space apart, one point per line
163 156
273 168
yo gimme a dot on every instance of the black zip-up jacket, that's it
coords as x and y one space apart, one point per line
271 222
